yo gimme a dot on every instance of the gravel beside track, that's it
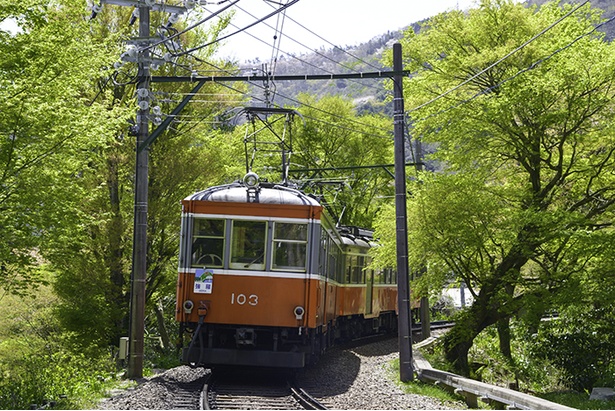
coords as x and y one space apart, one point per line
357 378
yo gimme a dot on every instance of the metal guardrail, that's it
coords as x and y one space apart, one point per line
473 390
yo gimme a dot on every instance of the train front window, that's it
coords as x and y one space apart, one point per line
289 246
207 243
248 245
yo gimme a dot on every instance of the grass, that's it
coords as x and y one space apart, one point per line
578 400
429 390
536 377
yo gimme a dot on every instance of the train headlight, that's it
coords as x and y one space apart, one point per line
188 306
251 179
299 311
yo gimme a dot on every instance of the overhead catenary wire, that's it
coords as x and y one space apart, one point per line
219 39
261 100
299 43
308 48
302 104
277 40
331 44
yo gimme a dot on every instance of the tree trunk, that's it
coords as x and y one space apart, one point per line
162 329
115 253
504 336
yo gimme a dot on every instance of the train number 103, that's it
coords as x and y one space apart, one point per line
242 299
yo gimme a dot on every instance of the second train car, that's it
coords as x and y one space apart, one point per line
267 279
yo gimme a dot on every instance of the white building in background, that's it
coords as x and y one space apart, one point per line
460 295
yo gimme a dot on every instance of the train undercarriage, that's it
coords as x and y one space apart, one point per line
280 347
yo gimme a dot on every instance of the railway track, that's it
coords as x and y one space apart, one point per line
256 392
189 395
231 389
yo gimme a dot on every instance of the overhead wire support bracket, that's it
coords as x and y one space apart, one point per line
155 6
291 77
163 126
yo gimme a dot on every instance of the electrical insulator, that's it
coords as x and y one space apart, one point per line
134 16
132 51
143 104
173 18
156 110
143 93
157 121
189 4
167 57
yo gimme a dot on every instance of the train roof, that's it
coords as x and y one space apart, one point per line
264 193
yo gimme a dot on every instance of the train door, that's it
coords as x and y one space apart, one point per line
369 291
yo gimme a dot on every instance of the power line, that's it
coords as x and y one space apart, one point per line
498 61
331 44
282 8
192 26
530 67
307 47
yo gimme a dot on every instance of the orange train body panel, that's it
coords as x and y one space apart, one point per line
273 311
253 300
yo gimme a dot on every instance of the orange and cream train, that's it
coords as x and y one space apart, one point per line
267 279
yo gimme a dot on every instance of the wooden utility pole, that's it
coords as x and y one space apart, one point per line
401 223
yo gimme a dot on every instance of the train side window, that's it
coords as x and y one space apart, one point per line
322 258
333 268
208 243
340 264
289 246
248 245
361 270
379 277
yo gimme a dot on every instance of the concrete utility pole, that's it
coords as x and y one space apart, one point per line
139 248
401 223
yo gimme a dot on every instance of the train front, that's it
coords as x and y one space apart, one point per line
247 291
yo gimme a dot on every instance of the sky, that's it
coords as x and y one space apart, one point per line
340 22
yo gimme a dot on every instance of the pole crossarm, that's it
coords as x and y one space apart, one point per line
305 170
154 6
291 77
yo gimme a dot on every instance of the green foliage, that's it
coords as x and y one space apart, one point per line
523 209
47 127
581 344
67 378
334 136
577 400
39 362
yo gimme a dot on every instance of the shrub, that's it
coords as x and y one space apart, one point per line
582 345
67 378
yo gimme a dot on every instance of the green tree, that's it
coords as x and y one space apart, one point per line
525 203
93 255
48 126
340 146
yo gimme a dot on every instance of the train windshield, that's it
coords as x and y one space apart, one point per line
208 243
248 245
289 246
